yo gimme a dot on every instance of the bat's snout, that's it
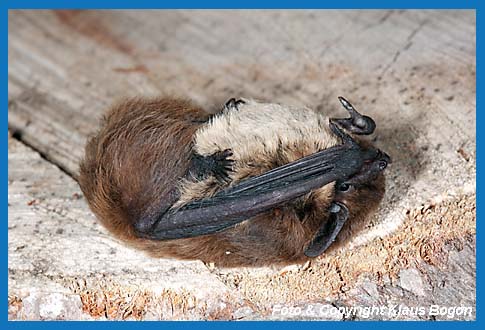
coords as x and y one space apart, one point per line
371 168
384 160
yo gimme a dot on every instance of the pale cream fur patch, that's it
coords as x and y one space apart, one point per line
257 128
256 133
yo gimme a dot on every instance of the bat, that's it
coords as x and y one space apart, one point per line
253 184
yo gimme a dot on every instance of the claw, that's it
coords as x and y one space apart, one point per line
226 153
223 165
234 104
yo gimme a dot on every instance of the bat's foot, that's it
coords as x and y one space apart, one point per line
233 104
222 165
339 213
219 164
357 123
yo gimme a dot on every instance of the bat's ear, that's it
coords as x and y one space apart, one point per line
346 139
357 123
339 214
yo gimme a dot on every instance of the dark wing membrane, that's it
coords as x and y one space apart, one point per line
258 194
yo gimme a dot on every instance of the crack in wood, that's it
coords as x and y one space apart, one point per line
409 43
17 135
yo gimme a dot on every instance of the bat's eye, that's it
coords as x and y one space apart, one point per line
344 187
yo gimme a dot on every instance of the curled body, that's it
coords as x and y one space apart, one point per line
152 159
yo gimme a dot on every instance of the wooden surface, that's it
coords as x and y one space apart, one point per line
412 71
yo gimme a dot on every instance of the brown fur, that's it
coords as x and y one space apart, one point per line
141 154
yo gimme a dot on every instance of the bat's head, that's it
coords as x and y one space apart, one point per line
360 194
363 191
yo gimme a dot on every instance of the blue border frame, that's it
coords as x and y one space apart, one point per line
212 4
141 4
480 120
